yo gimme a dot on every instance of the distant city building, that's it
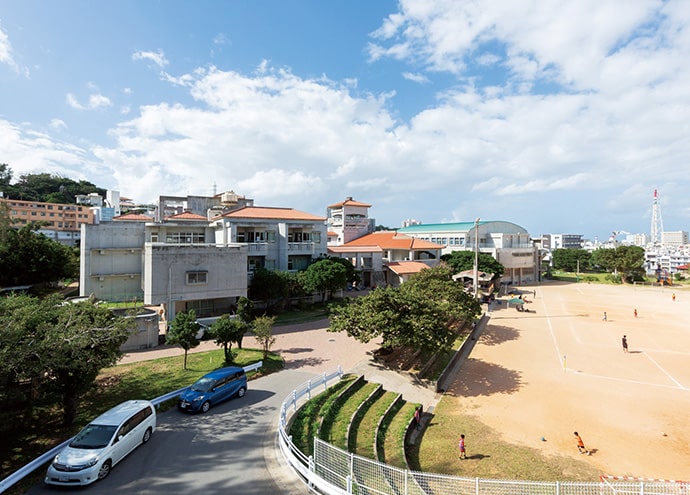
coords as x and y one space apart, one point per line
562 241
677 238
60 222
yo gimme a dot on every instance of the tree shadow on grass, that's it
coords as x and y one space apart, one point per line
478 378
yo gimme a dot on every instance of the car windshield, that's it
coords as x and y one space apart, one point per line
93 437
203 385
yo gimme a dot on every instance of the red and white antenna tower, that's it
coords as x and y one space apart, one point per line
657 224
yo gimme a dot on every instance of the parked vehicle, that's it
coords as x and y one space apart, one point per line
213 388
104 442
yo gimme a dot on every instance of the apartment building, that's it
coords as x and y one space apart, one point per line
60 222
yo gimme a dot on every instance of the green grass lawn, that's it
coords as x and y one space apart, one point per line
311 313
489 456
366 430
337 431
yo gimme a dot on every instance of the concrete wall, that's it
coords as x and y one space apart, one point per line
111 260
167 268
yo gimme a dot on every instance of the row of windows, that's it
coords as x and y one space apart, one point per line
270 236
43 214
44 206
449 241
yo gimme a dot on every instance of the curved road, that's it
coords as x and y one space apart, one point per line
230 449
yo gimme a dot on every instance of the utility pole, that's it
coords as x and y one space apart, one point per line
476 258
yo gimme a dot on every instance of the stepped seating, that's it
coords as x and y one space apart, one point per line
362 418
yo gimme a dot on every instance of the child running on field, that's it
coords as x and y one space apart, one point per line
581 445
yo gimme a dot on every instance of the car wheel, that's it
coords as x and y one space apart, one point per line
205 406
105 470
147 435
241 392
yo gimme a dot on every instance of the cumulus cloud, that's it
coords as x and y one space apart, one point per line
157 58
58 124
28 151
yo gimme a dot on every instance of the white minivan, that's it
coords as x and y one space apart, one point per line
103 443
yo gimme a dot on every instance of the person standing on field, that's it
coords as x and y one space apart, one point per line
461 445
624 341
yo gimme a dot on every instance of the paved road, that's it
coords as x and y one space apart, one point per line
228 450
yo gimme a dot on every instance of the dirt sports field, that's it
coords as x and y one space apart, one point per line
560 368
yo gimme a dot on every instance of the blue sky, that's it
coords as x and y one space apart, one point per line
560 116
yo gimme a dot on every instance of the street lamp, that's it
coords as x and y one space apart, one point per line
476 257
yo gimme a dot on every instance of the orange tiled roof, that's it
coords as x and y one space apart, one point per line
349 202
406 267
133 217
269 213
390 239
354 249
186 215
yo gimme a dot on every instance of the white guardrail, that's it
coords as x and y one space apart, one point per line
40 461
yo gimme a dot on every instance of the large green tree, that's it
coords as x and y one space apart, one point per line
27 257
570 259
425 312
625 261
325 277
183 331
462 261
83 340
58 347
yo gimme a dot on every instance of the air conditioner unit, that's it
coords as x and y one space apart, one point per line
101 251
101 279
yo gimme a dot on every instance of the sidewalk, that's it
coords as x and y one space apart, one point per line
310 347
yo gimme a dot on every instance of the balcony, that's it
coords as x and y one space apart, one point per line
301 247
257 248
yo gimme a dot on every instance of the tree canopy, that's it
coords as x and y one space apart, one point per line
44 187
227 331
625 261
462 261
570 259
425 313
324 276
262 327
58 347
27 257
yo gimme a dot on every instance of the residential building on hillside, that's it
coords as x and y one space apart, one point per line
347 221
507 242
60 222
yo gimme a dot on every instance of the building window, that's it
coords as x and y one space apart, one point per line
196 278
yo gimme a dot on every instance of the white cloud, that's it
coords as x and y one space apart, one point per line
58 124
416 77
221 39
95 101
7 57
157 58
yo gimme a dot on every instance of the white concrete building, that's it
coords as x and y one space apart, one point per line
507 242
347 221
189 262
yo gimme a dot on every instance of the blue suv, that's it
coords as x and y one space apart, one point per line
213 388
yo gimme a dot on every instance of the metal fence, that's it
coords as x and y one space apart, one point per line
42 460
331 470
